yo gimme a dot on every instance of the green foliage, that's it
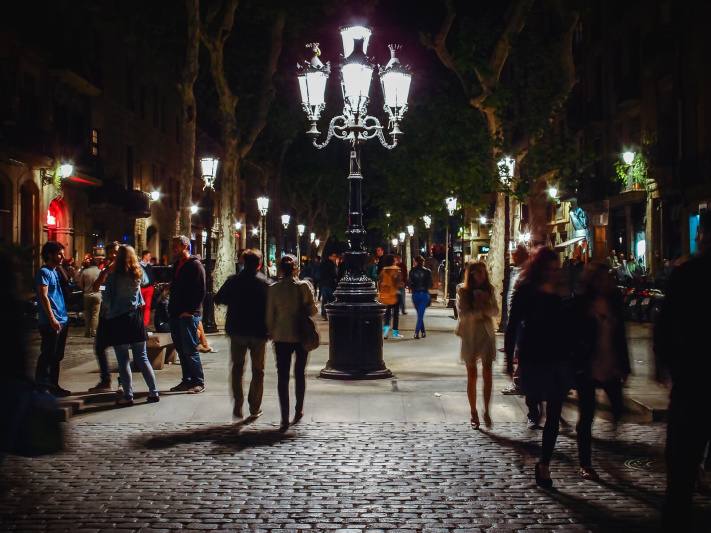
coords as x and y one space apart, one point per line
641 164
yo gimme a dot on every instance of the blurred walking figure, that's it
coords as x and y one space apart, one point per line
245 296
543 364
420 283
476 304
681 344
92 298
127 329
389 284
519 256
286 301
102 329
147 289
602 358
401 292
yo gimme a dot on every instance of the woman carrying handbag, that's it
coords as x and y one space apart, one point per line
125 322
288 300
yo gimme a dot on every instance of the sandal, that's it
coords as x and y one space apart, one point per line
588 472
487 420
475 420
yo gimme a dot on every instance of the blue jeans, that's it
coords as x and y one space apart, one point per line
124 368
326 298
183 331
420 301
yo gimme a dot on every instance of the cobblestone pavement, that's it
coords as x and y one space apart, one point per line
348 477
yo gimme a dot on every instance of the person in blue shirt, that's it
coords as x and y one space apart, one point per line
52 320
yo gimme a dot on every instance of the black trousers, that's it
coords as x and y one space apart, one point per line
392 310
688 432
554 408
283 361
51 354
586 411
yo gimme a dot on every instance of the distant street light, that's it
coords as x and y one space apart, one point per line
209 173
155 196
193 209
553 191
300 229
263 206
628 157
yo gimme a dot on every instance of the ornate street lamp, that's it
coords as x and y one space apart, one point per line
263 206
507 166
285 222
209 173
355 317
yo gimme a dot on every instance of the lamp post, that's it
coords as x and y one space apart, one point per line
285 222
263 205
450 287
300 229
355 317
506 172
209 172
428 222
408 248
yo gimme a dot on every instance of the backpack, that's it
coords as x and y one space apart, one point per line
389 286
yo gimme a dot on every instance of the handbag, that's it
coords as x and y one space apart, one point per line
308 331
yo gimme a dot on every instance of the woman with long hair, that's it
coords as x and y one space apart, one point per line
543 364
476 306
127 329
420 283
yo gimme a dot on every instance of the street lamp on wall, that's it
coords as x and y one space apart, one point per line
355 355
56 174
208 166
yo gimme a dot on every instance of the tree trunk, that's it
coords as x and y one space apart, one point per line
185 87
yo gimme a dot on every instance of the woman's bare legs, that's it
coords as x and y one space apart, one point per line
471 393
486 374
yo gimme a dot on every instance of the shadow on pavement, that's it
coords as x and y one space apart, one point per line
230 436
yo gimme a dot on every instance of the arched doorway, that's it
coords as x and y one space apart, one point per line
5 208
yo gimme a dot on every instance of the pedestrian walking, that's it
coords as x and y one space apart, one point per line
127 329
681 345
52 320
544 366
602 358
476 304
519 256
92 298
315 272
287 301
147 289
245 296
102 330
389 284
329 281
187 290
420 283
403 277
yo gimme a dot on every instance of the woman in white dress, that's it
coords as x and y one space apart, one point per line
476 305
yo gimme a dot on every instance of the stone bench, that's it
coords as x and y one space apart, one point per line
160 350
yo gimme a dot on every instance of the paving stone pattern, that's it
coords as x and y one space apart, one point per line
343 477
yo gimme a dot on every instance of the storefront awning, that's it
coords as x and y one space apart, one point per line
569 242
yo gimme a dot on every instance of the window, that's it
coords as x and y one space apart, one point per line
142 101
130 87
129 168
155 108
95 142
162 113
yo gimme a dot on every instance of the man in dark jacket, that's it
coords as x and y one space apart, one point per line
245 296
187 291
681 345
